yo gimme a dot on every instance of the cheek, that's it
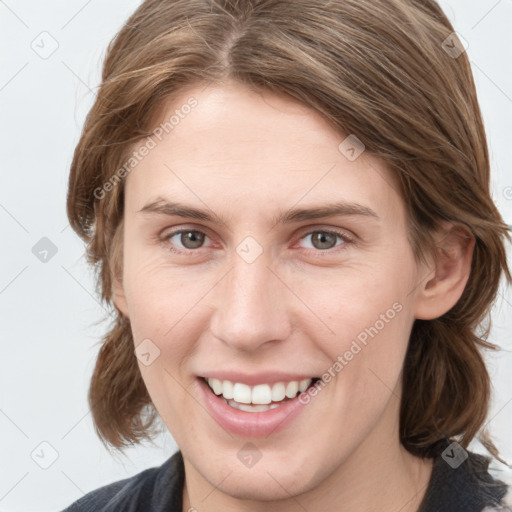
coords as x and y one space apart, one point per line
366 360
167 306
353 298
366 314
154 290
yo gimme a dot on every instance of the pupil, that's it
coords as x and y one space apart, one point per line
191 236
320 236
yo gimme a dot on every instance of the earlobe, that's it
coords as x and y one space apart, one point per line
449 273
119 297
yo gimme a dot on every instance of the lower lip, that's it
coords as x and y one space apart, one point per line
249 424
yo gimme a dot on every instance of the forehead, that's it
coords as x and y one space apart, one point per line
235 146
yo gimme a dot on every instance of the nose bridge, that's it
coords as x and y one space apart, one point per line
251 307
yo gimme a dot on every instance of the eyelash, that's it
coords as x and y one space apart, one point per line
342 235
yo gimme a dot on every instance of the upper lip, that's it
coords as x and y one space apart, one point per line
256 378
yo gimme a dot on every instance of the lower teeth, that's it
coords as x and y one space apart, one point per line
251 408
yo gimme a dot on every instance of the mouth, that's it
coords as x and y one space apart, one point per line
258 398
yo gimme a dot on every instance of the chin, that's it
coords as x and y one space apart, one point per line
263 487
266 481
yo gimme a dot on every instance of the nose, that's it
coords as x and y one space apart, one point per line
251 305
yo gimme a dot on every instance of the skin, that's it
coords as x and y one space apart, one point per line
246 156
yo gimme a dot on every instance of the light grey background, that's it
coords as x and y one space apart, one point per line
48 310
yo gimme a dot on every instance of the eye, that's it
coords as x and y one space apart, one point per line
190 239
324 239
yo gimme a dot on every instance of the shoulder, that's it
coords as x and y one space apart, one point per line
462 481
156 489
505 477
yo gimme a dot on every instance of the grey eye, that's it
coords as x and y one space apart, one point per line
188 238
192 239
322 240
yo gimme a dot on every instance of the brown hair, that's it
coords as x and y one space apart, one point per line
376 69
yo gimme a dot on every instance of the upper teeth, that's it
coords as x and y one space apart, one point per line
260 394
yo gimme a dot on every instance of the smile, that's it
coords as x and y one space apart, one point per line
234 404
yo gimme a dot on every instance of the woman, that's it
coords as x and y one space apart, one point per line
288 205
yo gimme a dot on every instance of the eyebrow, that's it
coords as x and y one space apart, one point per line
171 208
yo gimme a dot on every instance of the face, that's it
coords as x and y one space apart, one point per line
266 286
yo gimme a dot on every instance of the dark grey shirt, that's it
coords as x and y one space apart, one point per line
453 487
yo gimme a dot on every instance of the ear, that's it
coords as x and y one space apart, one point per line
449 272
116 266
119 297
